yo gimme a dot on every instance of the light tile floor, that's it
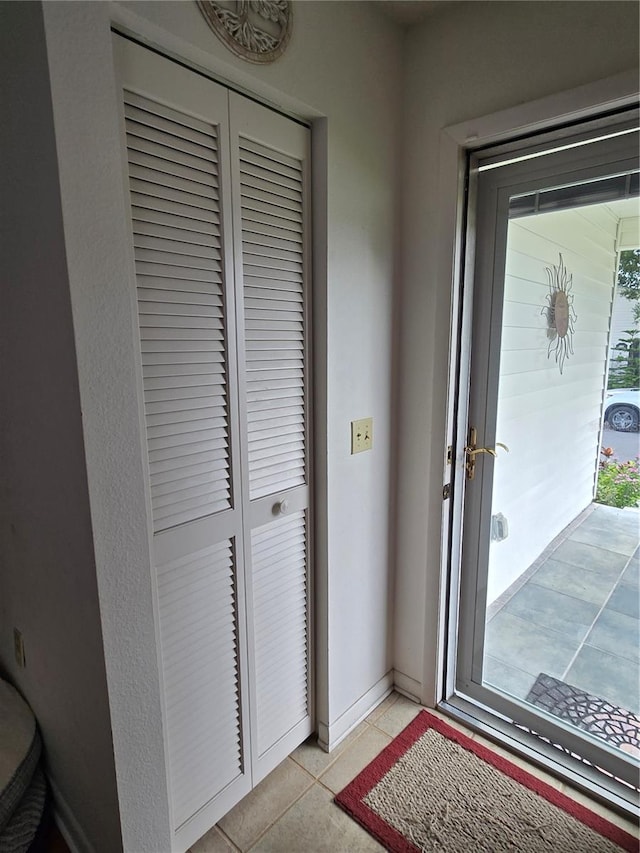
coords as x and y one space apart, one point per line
292 810
576 616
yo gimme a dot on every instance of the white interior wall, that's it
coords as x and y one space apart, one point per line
350 85
466 61
343 63
47 579
550 421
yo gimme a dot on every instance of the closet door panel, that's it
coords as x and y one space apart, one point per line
176 134
270 182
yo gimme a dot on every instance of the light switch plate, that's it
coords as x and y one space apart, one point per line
361 435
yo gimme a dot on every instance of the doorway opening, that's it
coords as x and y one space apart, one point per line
548 622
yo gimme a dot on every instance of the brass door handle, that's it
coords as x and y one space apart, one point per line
471 451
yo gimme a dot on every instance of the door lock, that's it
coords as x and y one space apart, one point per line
471 451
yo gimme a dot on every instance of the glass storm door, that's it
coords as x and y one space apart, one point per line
547 625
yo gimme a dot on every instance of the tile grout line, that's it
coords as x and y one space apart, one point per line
282 814
314 781
548 554
318 780
597 616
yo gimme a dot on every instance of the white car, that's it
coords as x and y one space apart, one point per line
622 409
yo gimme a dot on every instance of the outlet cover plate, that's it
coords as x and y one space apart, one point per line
361 435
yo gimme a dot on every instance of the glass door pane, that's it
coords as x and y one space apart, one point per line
548 623
561 618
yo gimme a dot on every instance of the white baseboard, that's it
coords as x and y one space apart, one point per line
409 687
66 822
330 736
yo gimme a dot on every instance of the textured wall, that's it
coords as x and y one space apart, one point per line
47 577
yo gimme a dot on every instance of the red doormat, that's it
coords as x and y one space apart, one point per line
435 789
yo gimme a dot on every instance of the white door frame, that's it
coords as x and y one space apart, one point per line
611 94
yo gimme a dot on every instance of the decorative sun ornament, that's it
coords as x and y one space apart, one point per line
256 30
559 313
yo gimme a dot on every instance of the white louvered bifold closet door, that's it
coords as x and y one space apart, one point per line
270 176
177 152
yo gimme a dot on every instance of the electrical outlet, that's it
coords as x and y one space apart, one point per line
18 648
361 435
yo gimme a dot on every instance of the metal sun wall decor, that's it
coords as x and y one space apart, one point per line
256 30
559 313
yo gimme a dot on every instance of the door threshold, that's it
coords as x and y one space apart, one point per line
596 784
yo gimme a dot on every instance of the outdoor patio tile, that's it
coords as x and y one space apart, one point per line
631 574
552 609
516 682
527 646
611 518
316 824
605 563
578 583
607 676
625 599
608 539
616 633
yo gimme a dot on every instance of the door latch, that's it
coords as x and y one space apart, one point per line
471 451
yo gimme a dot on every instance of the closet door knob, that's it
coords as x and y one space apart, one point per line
281 507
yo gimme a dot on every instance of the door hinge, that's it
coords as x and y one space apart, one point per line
446 491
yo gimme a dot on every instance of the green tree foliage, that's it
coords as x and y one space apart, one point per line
624 369
629 274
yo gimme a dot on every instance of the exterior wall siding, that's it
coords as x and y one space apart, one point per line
550 420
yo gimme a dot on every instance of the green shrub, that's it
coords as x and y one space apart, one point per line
619 483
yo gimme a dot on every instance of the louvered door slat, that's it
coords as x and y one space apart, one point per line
156 129
215 594
255 214
163 243
272 160
149 226
280 586
176 139
192 315
193 227
156 182
267 179
270 181
164 203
